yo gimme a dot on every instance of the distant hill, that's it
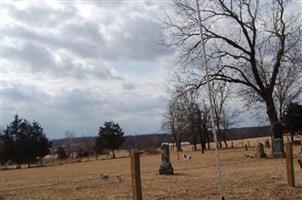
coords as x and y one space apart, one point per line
154 140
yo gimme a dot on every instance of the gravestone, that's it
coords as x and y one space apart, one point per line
267 144
165 166
232 145
248 144
260 151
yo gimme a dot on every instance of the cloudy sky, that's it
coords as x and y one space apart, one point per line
71 65
74 64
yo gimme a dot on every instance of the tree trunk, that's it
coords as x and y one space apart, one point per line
113 154
208 140
292 136
193 132
224 140
275 127
179 145
202 141
194 143
219 137
176 142
202 136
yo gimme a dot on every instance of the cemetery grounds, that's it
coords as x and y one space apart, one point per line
244 178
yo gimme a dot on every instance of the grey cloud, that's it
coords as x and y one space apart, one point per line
30 102
136 38
139 104
40 14
40 59
17 93
82 109
128 86
37 57
83 46
71 109
86 32
76 101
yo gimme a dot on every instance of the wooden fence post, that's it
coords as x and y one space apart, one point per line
290 164
136 176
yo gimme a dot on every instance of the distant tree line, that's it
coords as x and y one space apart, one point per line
146 142
23 142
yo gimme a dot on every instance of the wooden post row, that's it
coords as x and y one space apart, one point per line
290 164
136 176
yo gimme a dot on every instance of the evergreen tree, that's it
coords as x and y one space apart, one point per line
3 157
42 144
23 141
9 139
99 146
110 136
61 153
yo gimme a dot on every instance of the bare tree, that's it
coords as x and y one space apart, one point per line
223 115
70 135
205 120
228 119
174 121
220 93
248 42
185 119
288 87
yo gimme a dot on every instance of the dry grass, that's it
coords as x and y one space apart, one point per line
244 178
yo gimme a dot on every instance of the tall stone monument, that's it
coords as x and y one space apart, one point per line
165 165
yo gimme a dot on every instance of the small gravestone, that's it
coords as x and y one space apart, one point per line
104 177
267 144
260 151
232 145
119 178
186 157
165 166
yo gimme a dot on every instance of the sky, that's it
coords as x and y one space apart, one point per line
72 65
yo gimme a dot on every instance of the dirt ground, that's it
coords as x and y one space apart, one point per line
244 178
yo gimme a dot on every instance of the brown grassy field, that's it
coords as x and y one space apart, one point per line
244 178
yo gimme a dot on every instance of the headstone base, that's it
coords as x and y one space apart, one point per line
279 154
278 148
166 169
262 155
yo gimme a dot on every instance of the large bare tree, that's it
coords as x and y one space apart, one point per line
248 42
